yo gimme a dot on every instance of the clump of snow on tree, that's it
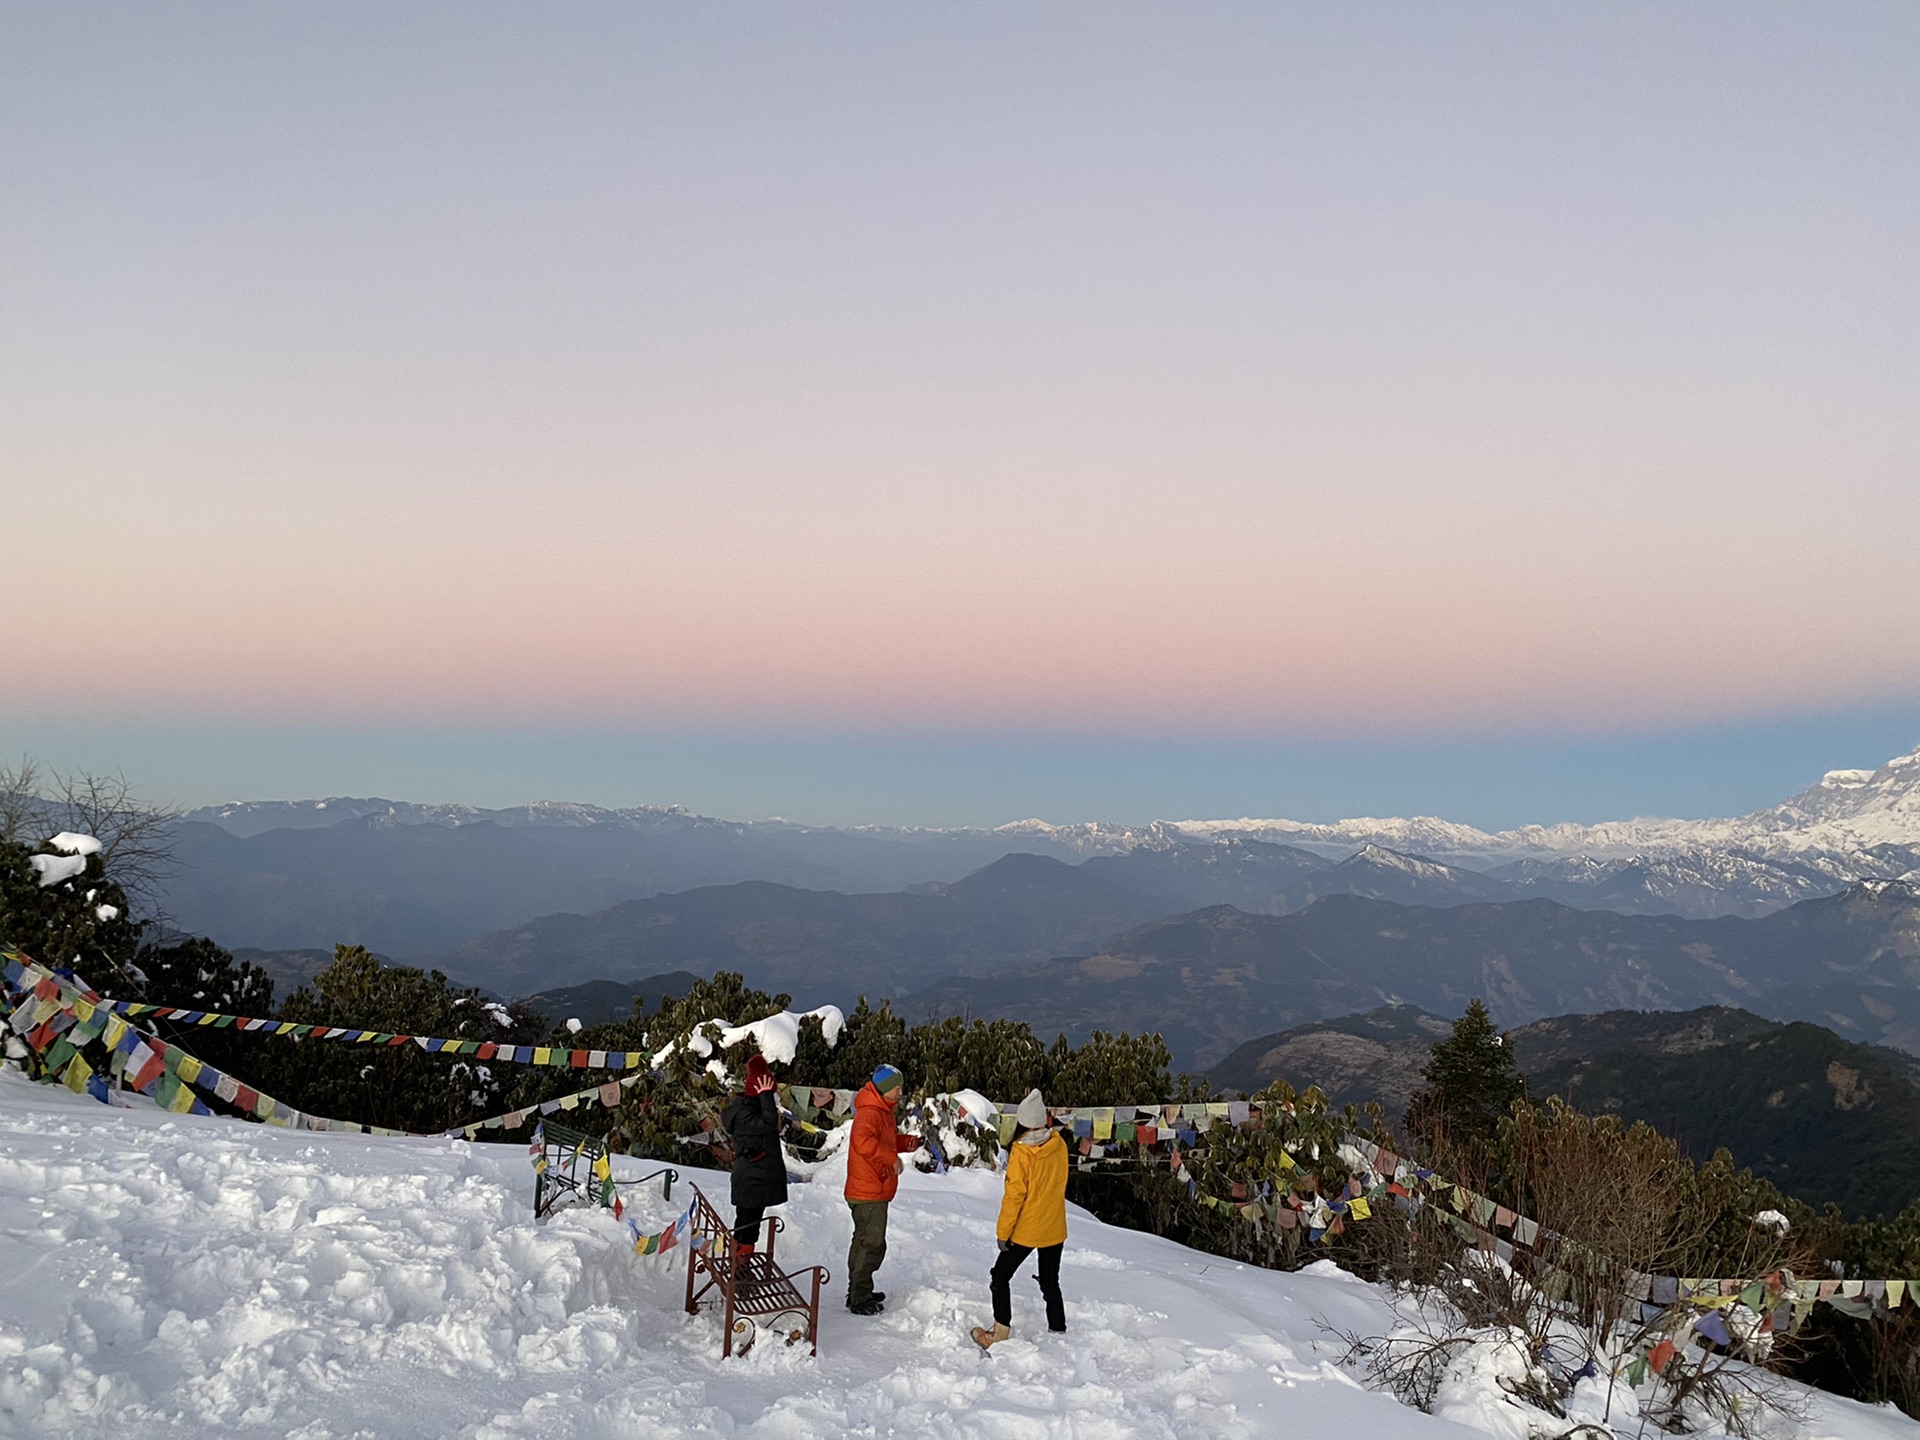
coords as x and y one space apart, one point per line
777 1036
56 869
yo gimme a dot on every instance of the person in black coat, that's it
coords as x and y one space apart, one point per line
753 1123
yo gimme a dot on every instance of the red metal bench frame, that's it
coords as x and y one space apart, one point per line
751 1284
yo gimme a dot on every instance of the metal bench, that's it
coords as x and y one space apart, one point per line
749 1286
573 1167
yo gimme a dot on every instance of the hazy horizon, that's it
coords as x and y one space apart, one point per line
946 781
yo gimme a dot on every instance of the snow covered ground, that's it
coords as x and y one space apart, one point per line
170 1275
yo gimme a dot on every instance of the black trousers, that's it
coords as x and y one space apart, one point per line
1011 1259
746 1223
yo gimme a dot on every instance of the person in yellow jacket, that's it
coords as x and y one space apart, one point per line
1033 1216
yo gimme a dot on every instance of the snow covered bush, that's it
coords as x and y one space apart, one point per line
70 913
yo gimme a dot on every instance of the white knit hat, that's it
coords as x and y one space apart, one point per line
1032 1113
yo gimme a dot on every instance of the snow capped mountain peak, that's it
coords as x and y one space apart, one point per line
1382 857
1853 807
1850 825
1844 779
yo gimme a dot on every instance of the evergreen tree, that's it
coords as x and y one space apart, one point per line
197 974
1471 1084
400 1086
80 920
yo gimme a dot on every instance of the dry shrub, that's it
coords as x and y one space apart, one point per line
1615 1204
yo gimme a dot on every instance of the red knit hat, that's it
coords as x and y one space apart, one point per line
759 1075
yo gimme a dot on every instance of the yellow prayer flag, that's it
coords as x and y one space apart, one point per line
182 1100
542 1055
1359 1209
189 1069
1896 1292
1103 1129
77 1074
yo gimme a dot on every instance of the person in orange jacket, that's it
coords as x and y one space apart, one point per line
1033 1216
874 1149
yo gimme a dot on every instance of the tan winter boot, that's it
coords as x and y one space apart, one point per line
986 1339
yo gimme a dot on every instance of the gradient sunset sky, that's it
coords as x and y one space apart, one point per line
897 413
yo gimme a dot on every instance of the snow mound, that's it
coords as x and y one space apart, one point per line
776 1036
69 843
53 869
190 1276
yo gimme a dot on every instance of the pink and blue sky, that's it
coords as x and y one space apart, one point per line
871 412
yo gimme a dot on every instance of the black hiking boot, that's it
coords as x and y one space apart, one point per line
866 1307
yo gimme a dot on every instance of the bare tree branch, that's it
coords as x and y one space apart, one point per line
135 837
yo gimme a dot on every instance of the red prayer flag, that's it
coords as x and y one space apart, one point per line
149 1072
1661 1356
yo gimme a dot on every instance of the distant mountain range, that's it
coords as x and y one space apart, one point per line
419 880
1212 979
818 945
1822 1117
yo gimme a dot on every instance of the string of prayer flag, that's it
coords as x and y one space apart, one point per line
483 1050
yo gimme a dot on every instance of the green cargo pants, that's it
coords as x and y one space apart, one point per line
869 1248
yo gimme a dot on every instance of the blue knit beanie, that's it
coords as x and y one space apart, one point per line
887 1078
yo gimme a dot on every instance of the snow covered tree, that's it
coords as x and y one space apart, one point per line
135 837
58 906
